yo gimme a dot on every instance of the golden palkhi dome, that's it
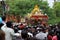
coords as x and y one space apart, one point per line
35 11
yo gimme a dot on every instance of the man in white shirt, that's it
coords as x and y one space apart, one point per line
41 35
9 32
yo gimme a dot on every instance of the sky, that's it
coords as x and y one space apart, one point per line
51 2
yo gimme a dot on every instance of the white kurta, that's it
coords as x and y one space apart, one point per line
8 33
41 36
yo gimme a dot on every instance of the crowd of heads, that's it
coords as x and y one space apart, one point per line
34 30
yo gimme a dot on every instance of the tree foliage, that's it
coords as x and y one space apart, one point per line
22 7
57 9
56 13
25 6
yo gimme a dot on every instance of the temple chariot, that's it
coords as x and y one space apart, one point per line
37 17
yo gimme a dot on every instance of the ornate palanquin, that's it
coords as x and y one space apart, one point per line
38 16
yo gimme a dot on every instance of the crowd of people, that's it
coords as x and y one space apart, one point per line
10 31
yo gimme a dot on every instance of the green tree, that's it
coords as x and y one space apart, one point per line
22 7
57 9
25 6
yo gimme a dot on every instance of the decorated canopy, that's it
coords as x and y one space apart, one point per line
37 14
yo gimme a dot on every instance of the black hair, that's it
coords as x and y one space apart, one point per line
24 34
58 25
33 38
3 18
9 24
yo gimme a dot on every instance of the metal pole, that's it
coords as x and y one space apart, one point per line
3 6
